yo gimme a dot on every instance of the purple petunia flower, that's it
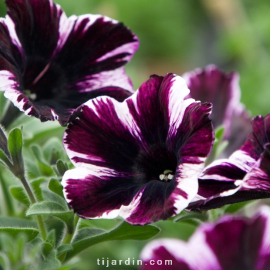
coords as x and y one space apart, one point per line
230 243
222 90
139 159
51 64
244 176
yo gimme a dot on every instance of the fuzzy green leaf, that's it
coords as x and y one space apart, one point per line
64 248
20 195
61 167
124 231
15 143
13 231
51 262
56 187
52 209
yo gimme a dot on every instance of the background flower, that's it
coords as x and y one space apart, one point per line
51 64
222 90
230 243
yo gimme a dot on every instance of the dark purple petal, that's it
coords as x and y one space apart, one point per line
60 60
95 194
218 178
221 89
91 47
9 58
258 178
128 148
254 145
194 137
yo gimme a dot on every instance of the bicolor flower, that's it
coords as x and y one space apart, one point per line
139 159
51 64
245 175
222 90
230 243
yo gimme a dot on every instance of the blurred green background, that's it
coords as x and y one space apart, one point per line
178 36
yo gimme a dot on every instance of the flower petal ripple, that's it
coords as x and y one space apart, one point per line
139 159
51 64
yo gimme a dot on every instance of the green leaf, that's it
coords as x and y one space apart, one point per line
35 184
4 159
46 249
51 238
3 142
4 261
46 208
51 150
124 231
51 262
52 209
7 197
64 248
219 133
43 167
16 222
188 216
56 187
50 196
53 223
233 208
61 167
13 231
87 233
20 195
15 143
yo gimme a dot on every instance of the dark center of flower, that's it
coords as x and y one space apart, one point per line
155 164
43 81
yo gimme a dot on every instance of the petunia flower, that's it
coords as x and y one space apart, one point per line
230 243
222 90
51 64
245 175
139 159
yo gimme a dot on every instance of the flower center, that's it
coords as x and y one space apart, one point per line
167 176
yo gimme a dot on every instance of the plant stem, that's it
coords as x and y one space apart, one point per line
33 200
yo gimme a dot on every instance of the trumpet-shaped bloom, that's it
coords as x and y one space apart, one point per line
230 243
139 159
245 175
222 90
51 64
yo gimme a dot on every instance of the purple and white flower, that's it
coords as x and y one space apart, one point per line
222 90
245 175
139 159
230 243
51 64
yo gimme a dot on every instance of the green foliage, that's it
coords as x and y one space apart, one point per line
124 231
56 187
15 143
